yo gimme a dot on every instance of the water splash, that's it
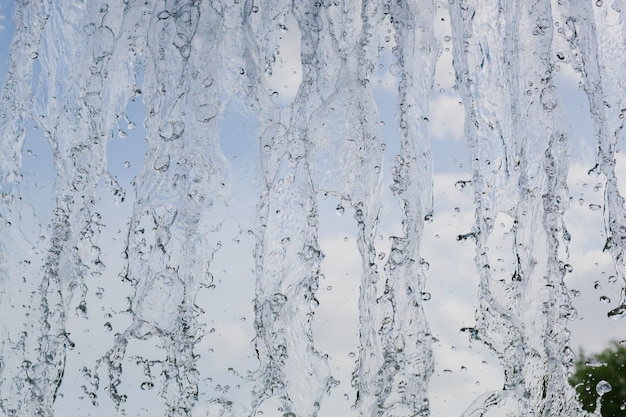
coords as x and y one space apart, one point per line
73 70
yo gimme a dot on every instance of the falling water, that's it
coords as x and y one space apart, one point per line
76 71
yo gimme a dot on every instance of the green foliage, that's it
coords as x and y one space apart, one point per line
610 366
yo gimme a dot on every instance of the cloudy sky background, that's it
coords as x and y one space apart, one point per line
463 370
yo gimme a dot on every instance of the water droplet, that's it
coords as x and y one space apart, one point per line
425 296
126 164
594 363
594 207
605 300
599 3
618 312
34 55
460 185
163 14
147 385
560 55
340 210
603 387
108 327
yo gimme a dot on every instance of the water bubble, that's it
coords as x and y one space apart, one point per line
425 296
340 210
205 112
34 55
603 387
594 207
102 42
161 163
560 55
163 14
447 38
127 164
599 3
605 300
172 130
89 29
108 327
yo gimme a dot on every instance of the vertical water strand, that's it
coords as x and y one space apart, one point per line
519 164
594 35
288 256
70 112
262 31
182 182
489 94
346 162
15 109
540 235
401 382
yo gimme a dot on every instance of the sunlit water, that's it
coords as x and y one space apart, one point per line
167 251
